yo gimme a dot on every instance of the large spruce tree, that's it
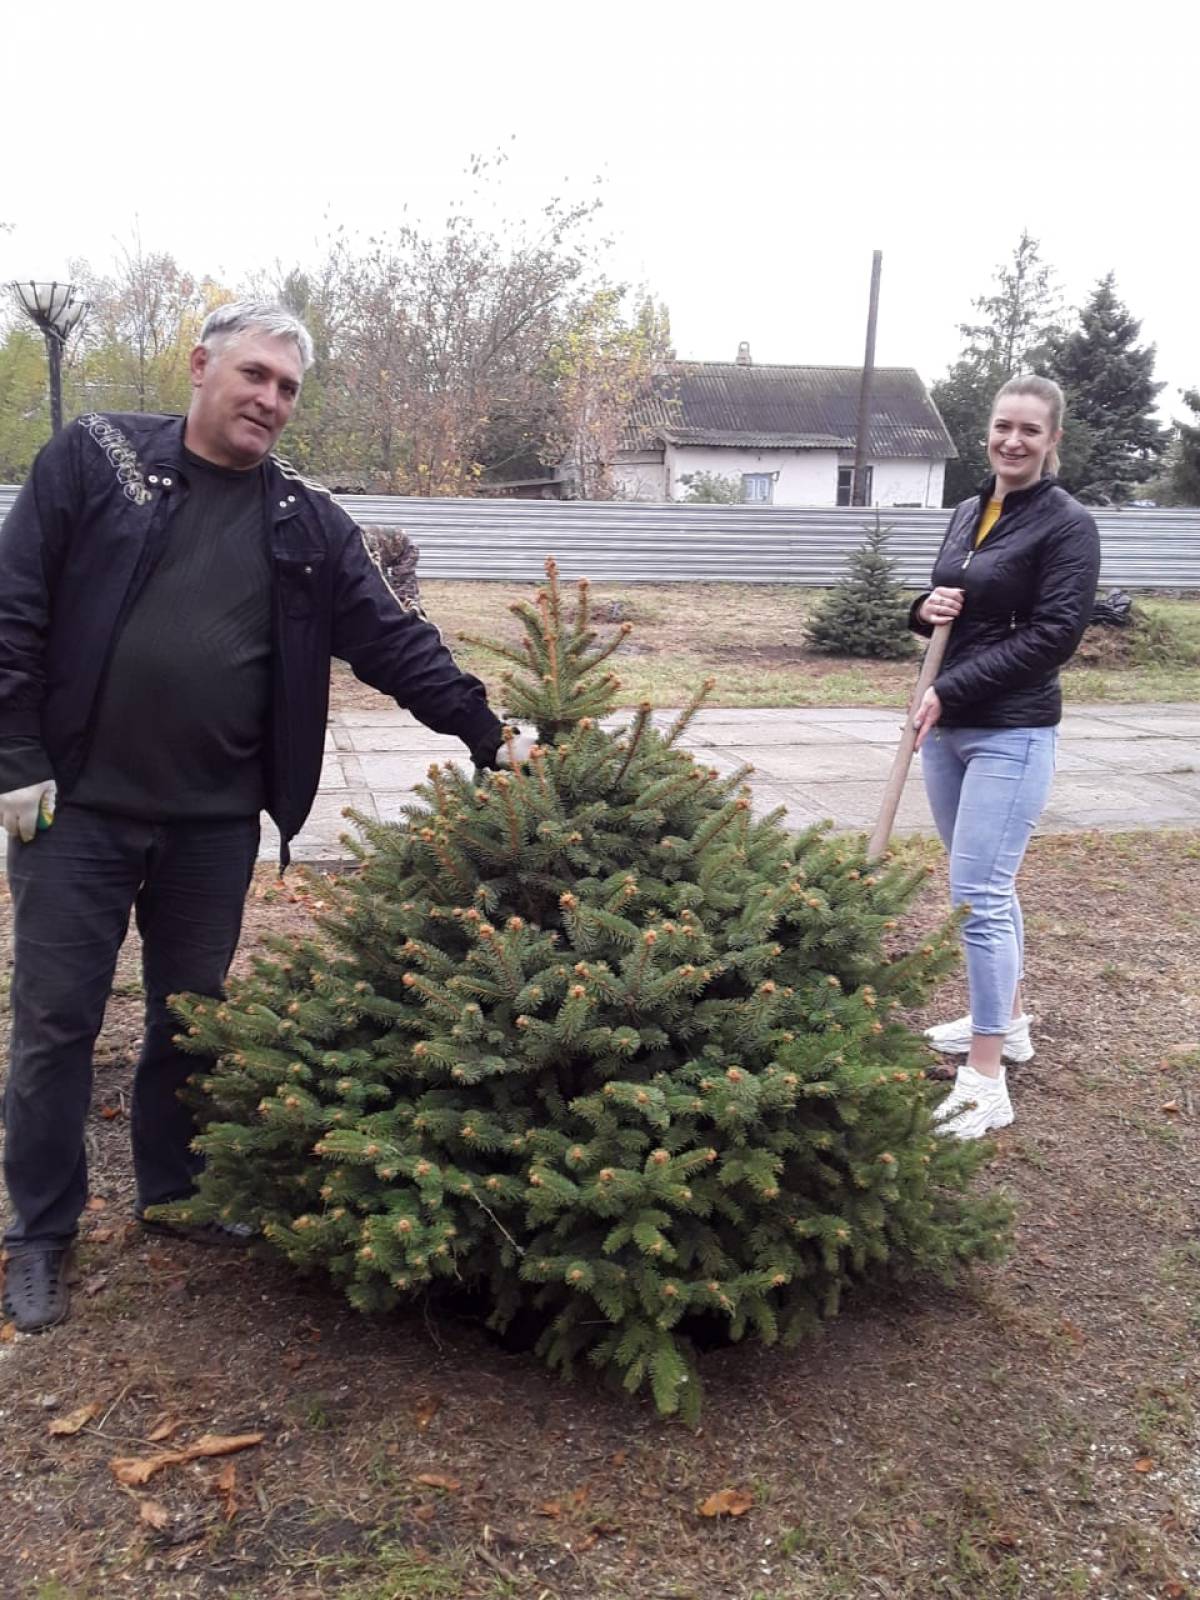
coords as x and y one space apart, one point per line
590 1039
1113 441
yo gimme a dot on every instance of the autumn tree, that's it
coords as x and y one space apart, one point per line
321 436
442 352
143 321
602 365
24 402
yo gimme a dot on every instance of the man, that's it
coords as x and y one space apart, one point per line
170 596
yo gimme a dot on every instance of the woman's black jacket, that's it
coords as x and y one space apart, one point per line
1029 591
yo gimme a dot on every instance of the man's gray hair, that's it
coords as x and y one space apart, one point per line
264 317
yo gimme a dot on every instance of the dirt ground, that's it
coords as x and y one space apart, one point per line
1029 1436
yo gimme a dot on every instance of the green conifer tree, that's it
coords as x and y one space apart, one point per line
589 1037
866 614
1185 469
1112 441
1015 324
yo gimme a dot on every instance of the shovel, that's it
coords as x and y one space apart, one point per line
931 663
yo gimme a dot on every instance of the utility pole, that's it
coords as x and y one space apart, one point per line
858 491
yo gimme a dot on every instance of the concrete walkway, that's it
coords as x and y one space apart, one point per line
1119 767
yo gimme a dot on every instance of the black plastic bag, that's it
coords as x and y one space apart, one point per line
1114 610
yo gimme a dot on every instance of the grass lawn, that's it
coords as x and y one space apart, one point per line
1030 1435
751 638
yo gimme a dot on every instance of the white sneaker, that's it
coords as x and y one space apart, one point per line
954 1038
976 1105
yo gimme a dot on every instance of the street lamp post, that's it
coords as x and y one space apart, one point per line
55 308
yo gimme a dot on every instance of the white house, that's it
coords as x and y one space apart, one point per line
787 433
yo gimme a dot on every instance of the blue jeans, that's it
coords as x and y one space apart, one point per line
987 788
73 888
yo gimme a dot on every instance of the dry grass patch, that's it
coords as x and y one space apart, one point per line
751 638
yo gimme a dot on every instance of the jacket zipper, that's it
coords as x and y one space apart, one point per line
283 779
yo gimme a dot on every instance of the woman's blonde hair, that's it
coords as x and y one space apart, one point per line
1051 396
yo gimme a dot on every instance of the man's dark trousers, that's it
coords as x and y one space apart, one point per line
73 888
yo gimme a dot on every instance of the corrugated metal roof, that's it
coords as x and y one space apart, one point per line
728 403
755 441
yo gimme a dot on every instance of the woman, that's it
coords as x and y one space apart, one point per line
1016 575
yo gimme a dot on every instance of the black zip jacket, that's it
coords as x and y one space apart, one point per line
1029 591
81 540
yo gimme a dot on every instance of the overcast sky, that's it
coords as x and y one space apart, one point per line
751 156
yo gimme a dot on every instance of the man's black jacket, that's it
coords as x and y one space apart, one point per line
1029 590
81 540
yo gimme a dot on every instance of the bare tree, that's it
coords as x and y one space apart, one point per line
143 321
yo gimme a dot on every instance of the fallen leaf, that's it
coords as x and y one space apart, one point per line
438 1480
7 1333
1174 1590
1143 1464
1171 1106
550 1508
426 1411
224 1483
586 1543
110 1113
96 1203
93 1285
726 1503
222 1444
100 1235
154 1513
135 1470
619 1458
425 1512
77 1419
163 1429
292 1360
578 1497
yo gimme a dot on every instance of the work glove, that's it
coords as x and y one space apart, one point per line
517 753
20 809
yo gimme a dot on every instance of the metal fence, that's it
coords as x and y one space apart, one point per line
624 542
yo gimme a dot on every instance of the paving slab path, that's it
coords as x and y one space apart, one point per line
1119 767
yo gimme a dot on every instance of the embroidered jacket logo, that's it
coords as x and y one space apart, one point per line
121 454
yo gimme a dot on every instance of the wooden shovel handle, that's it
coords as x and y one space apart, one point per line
930 665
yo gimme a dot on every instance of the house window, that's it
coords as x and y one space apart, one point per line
845 490
758 487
